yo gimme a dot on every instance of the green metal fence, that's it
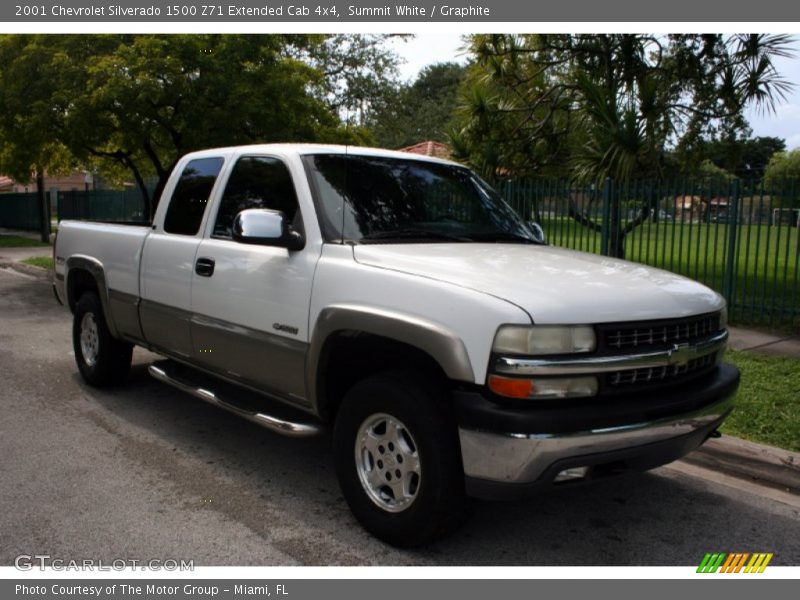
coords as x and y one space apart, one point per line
20 211
738 237
102 205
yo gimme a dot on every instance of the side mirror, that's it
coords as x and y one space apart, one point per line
266 227
537 230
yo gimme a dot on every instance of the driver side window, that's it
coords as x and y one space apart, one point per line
257 182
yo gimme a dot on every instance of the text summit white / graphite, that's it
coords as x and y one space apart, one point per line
405 10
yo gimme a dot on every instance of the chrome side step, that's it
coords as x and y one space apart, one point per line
278 425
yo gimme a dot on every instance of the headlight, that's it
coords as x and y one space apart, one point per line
544 339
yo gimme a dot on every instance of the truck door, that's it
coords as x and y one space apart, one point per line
168 259
251 303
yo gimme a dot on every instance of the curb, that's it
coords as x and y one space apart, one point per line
30 270
748 461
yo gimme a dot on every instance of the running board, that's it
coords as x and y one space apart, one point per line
283 426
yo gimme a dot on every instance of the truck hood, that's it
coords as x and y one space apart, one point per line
554 285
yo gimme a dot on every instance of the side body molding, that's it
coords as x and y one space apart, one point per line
95 268
441 344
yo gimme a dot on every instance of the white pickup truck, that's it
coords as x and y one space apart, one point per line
398 300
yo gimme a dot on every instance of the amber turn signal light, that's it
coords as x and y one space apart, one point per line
511 388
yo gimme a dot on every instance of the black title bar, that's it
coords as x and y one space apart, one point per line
412 11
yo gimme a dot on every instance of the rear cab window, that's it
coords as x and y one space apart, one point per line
191 196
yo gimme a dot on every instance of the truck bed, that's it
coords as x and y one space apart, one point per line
118 247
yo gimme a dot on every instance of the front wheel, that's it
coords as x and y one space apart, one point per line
398 460
101 358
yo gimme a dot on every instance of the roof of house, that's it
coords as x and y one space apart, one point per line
430 148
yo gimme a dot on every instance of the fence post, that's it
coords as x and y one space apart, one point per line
605 225
730 260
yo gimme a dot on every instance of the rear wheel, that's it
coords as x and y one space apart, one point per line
397 458
102 359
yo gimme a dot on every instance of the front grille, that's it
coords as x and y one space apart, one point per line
660 375
618 338
677 346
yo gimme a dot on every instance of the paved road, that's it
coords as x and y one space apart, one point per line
146 472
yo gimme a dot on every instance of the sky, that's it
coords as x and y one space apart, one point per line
429 48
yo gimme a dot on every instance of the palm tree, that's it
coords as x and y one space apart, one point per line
592 107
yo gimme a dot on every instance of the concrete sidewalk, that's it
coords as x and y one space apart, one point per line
11 258
15 255
764 343
19 253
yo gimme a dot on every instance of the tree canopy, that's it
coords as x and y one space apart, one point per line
141 101
616 106
418 111
744 157
783 166
609 105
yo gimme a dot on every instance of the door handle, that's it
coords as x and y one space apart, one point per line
204 267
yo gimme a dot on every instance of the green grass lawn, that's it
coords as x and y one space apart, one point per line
44 262
768 402
15 241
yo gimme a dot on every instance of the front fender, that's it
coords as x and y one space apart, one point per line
445 347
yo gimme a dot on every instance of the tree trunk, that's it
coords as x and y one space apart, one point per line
159 189
147 205
44 206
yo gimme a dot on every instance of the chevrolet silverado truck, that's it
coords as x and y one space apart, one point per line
398 301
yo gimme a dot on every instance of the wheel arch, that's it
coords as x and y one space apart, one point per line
378 334
86 273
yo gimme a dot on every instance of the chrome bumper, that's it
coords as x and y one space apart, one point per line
514 458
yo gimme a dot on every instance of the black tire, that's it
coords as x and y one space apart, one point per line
420 405
107 360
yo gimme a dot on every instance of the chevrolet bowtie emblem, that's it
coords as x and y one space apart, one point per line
680 354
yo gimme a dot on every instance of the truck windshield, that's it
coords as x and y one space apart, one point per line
382 200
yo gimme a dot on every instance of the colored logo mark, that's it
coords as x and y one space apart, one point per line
736 562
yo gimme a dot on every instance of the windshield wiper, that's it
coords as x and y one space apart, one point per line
412 234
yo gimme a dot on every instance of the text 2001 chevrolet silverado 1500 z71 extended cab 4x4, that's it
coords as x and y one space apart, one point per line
400 300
